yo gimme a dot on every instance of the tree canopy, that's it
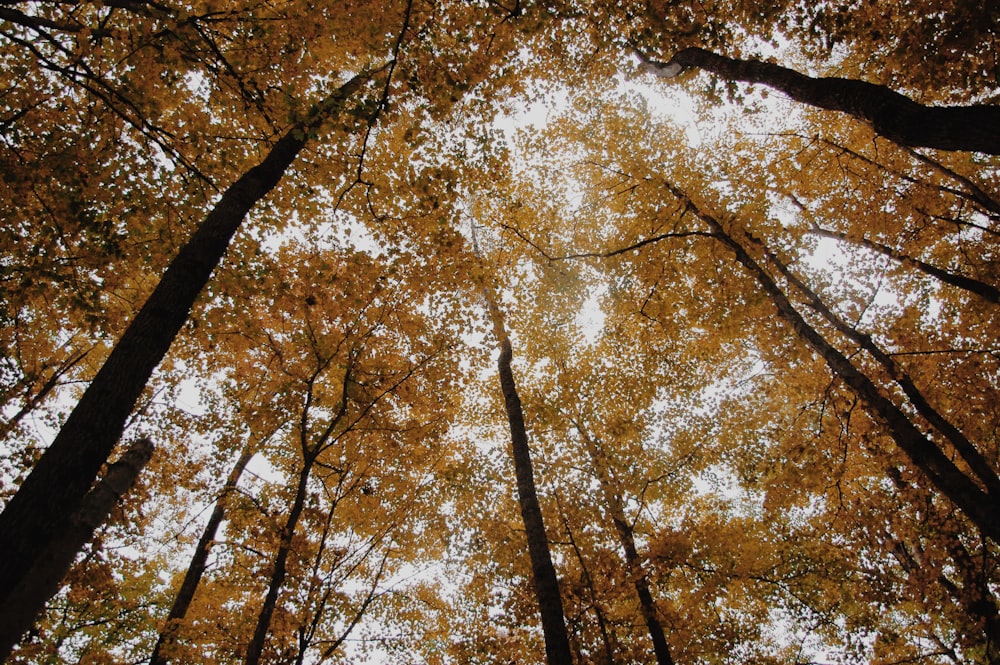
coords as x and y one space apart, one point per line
746 314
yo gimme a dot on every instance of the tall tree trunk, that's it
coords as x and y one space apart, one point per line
196 568
976 462
27 599
557 651
66 471
626 539
892 115
280 568
982 508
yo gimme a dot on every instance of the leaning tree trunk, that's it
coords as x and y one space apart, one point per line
982 289
27 599
279 570
890 114
64 474
196 568
557 651
981 507
626 539
977 463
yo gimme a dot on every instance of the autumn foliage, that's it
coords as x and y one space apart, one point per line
754 331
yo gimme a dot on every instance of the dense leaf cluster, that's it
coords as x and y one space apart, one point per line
755 341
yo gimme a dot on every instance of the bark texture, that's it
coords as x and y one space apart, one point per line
196 568
557 651
28 597
64 474
892 115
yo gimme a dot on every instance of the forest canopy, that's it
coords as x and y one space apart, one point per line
499 331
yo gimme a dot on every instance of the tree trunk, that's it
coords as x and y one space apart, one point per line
626 539
66 471
982 289
182 601
896 117
27 599
979 506
280 569
557 651
976 462
588 581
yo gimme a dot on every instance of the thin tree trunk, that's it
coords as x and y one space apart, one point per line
280 569
602 623
543 572
199 560
557 651
979 506
977 463
31 402
974 596
27 599
66 471
892 115
979 288
626 539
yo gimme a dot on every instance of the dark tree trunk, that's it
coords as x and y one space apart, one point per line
892 115
27 599
982 289
64 474
280 569
557 651
977 463
626 539
979 506
588 581
196 568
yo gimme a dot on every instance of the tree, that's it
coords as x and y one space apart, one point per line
889 113
543 573
94 426
772 472
43 578
626 538
199 561
89 434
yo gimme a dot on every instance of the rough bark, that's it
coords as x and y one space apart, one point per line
41 580
626 539
66 471
892 115
557 651
196 568
979 506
